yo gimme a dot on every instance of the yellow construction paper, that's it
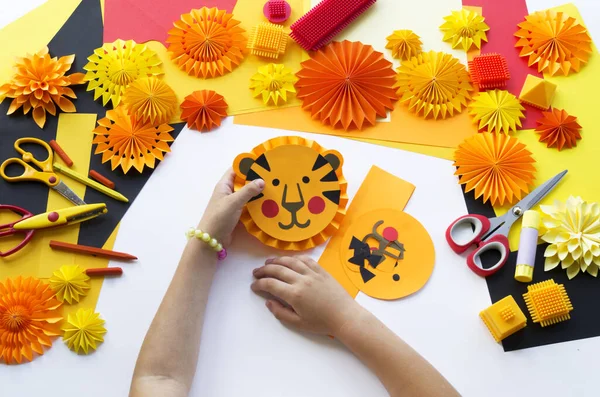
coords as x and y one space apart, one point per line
83 330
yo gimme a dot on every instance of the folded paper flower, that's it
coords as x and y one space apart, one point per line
496 166
465 28
573 232
346 84
112 67
554 41
207 42
69 283
558 129
150 100
434 84
40 84
272 83
404 44
29 314
128 142
497 111
203 110
83 331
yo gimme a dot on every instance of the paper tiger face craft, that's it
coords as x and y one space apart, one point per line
304 199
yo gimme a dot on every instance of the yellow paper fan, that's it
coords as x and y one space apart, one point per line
497 111
150 100
272 83
404 44
465 28
83 331
69 283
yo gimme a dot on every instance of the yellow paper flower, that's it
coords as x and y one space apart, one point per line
497 111
404 44
150 100
465 28
69 283
40 83
112 67
272 83
573 231
83 330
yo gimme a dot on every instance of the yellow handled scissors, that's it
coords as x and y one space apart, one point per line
45 174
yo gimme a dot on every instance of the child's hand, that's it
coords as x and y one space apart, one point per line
318 302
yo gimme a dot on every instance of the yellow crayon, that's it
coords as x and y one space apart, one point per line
88 182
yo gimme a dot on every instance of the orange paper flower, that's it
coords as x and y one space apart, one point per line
497 166
40 83
558 129
129 142
150 100
345 84
554 41
207 42
29 314
203 109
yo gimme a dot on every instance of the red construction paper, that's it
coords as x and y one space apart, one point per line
145 20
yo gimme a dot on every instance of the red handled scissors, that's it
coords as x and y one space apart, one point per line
491 234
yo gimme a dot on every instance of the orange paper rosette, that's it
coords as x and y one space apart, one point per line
558 129
150 100
203 110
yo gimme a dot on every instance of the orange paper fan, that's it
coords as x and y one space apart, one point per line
150 100
207 42
554 41
497 166
558 129
40 83
304 200
29 314
129 142
203 110
345 84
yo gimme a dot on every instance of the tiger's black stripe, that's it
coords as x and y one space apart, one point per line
331 177
333 196
319 162
263 162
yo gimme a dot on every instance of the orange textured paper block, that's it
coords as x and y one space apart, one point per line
207 42
404 44
497 111
489 71
304 199
272 83
346 84
61 153
203 110
503 318
558 129
465 28
537 92
150 100
497 166
267 40
548 303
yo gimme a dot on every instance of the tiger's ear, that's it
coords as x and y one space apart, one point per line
242 164
334 158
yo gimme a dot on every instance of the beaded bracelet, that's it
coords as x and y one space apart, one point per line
212 242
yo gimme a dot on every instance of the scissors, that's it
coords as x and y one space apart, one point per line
491 234
29 223
45 174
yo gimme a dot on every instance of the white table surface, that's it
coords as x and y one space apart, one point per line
245 352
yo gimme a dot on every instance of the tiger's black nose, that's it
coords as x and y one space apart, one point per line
292 206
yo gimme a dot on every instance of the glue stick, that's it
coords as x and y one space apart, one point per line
527 246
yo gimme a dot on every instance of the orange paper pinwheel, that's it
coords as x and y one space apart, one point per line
40 83
558 129
554 41
29 314
497 166
345 84
150 100
207 42
203 110
128 142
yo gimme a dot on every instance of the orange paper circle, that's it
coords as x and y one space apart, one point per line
391 281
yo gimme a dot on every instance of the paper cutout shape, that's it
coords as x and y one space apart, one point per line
489 71
497 111
497 166
345 84
69 283
40 84
267 40
548 303
572 229
29 314
112 67
150 100
558 129
83 331
465 28
128 142
503 318
272 83
207 42
554 41
304 199
203 110
537 92
404 44
434 84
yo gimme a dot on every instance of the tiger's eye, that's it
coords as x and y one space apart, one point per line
275 182
305 179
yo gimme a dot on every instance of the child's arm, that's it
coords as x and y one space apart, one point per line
320 305
169 354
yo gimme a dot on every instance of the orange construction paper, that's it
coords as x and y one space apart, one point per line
150 100
304 199
203 110
379 190
558 129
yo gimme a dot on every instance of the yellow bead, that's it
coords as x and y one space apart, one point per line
190 232
219 248
205 237
198 233
213 242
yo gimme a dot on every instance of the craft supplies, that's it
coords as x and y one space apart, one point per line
61 153
537 92
150 100
267 40
93 184
465 28
558 129
527 246
83 330
548 303
104 271
69 283
489 71
503 318
497 111
273 84
93 251
277 11
404 44
203 110
102 179
211 241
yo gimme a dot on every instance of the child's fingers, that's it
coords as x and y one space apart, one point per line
284 314
254 188
292 263
272 286
310 263
276 271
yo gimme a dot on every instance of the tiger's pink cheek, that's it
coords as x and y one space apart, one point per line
316 205
270 209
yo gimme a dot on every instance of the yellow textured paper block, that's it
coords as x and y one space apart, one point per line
503 318
267 40
548 303
537 92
